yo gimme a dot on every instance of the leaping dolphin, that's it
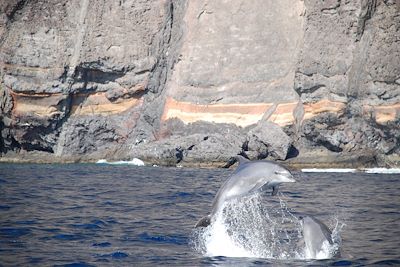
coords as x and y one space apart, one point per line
315 234
249 177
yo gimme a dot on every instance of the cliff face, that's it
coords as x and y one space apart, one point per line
196 82
78 75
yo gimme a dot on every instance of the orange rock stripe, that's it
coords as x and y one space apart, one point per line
33 95
99 104
41 104
384 113
252 108
245 114
239 114
324 105
35 109
47 105
283 114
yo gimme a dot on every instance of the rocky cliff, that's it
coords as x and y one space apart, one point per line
196 82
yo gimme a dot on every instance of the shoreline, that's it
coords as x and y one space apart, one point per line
306 161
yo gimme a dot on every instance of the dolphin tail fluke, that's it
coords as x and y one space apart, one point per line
204 222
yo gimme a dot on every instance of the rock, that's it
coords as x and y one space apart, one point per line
193 150
180 82
170 151
214 148
266 139
322 158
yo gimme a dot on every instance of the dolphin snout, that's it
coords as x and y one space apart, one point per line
288 177
285 176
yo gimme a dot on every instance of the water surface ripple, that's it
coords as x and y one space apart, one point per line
102 215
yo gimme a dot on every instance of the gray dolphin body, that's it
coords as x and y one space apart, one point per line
249 177
315 233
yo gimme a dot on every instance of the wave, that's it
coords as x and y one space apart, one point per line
134 161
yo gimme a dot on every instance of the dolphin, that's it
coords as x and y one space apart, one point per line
249 177
315 234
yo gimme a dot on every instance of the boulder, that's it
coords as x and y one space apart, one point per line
268 139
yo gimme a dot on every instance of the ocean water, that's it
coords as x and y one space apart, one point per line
110 215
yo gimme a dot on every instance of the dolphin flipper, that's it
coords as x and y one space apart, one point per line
269 185
204 222
274 190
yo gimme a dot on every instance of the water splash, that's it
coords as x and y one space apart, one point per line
249 227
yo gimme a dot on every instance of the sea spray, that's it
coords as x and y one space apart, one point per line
246 227
253 227
336 238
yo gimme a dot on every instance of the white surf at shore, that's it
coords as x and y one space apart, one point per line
134 161
366 170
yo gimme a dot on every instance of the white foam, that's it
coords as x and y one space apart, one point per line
381 170
245 228
248 228
366 170
134 161
219 243
329 170
322 254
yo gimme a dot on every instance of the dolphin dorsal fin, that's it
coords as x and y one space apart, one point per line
241 159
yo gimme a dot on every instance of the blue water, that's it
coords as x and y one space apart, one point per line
102 215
